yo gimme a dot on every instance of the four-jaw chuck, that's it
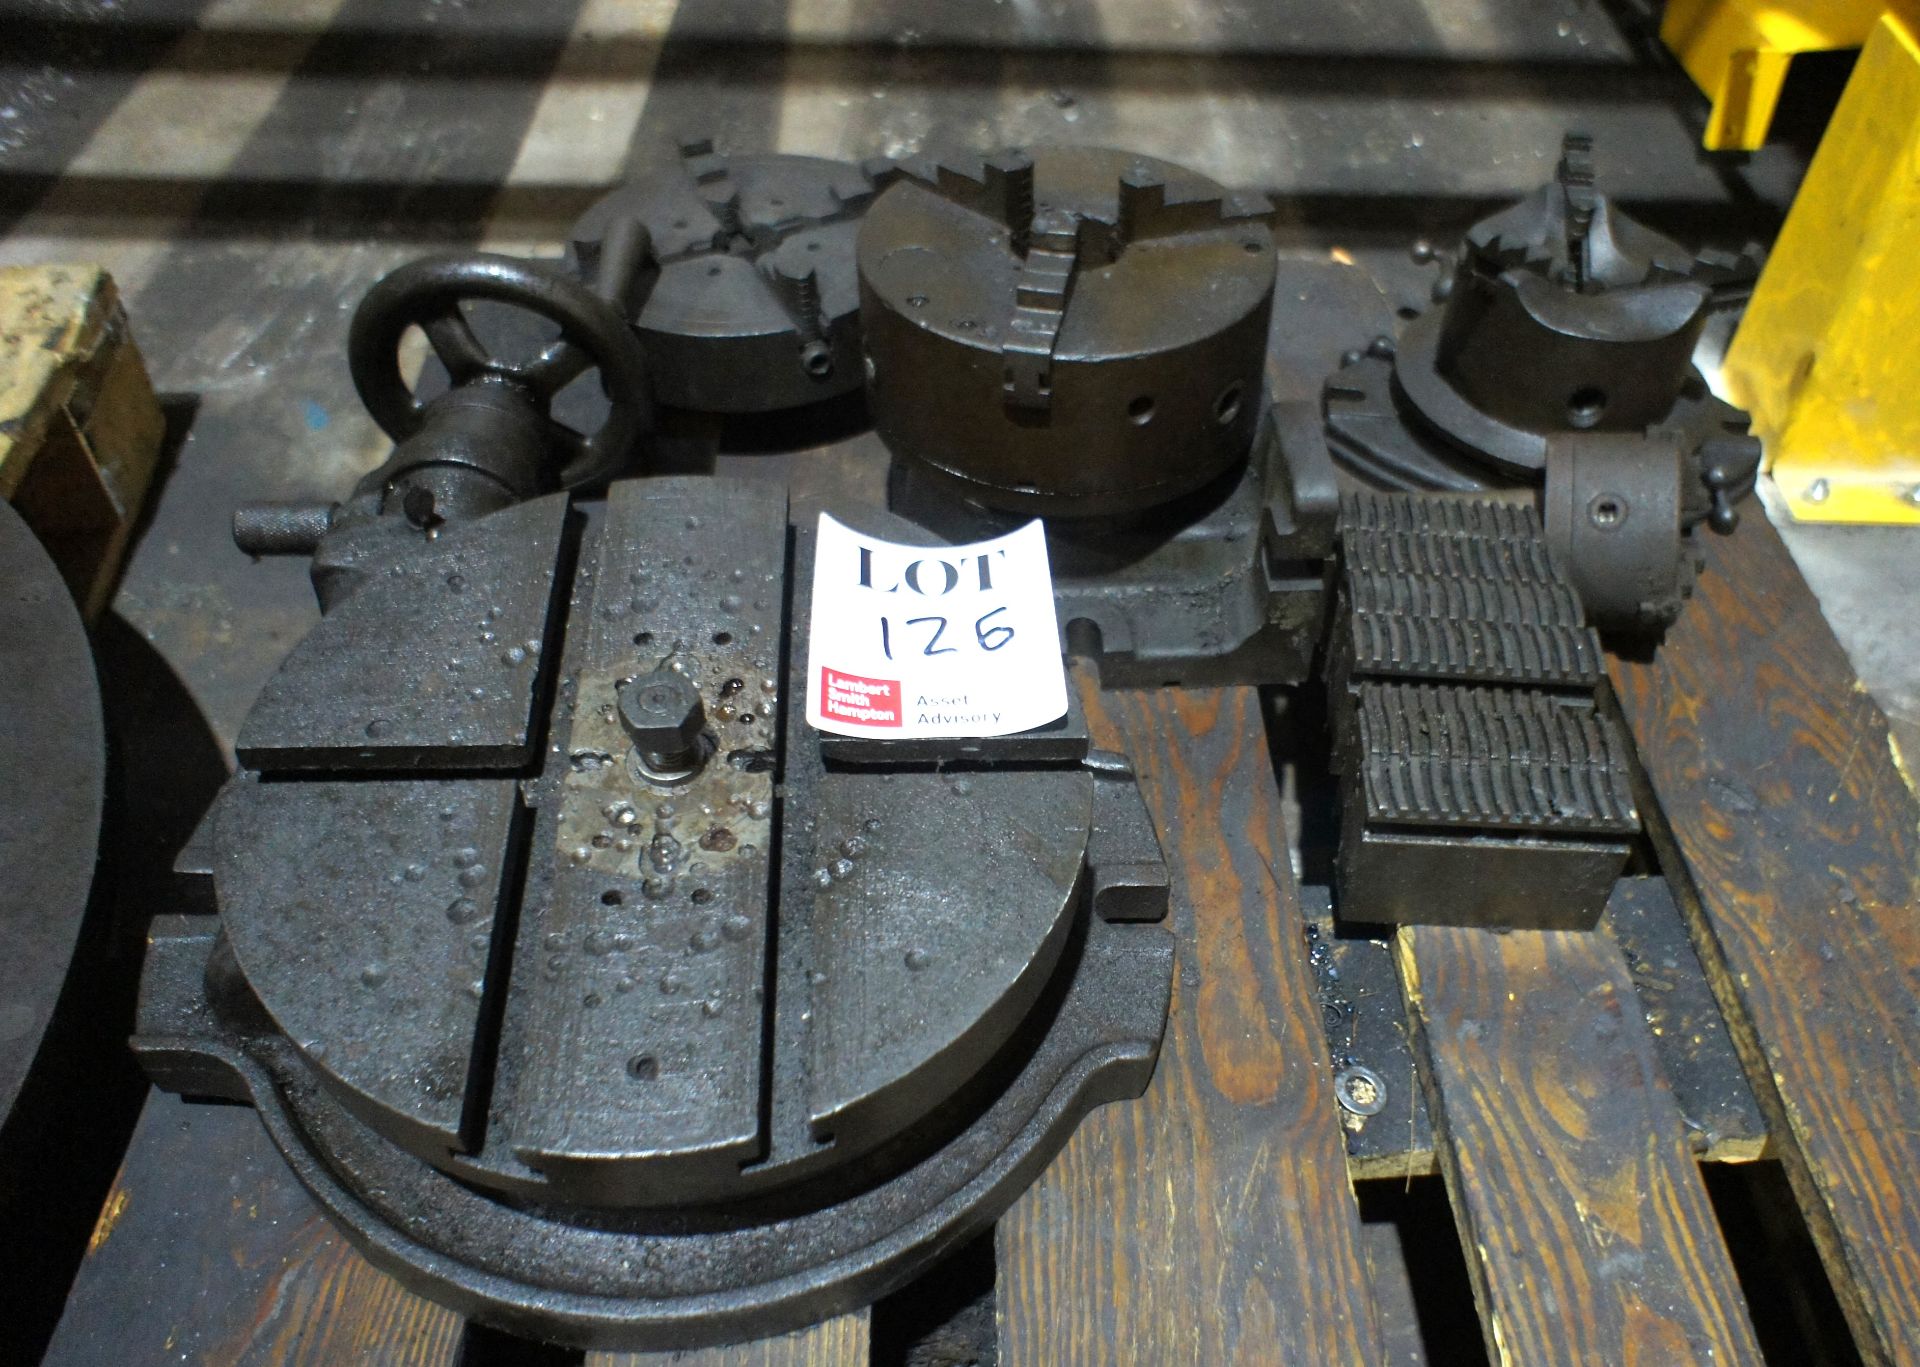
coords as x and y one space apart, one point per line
737 275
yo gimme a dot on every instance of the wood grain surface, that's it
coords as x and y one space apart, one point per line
841 1342
1786 809
1588 1233
207 1251
1211 1221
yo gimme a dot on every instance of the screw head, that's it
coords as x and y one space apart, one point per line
1817 491
1359 1090
816 358
662 712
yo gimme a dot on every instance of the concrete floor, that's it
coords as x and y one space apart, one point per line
1868 583
248 167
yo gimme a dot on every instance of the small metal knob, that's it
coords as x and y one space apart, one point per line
282 528
663 714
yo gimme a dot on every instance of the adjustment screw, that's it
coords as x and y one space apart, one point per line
663 714
816 358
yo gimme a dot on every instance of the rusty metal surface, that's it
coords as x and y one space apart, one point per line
631 1045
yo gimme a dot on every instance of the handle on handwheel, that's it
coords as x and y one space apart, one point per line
428 294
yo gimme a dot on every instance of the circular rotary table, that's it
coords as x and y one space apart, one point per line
627 1048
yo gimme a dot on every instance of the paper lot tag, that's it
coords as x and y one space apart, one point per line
933 640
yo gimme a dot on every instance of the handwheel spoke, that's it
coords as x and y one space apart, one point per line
556 367
455 343
429 294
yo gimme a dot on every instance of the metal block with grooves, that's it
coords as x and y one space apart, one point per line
1481 783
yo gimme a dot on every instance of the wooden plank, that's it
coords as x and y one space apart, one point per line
1782 803
1365 1022
1211 1221
208 1251
1587 1228
841 1342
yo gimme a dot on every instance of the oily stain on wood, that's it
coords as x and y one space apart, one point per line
329 1307
208 1251
839 1342
1783 803
1210 1221
1589 1235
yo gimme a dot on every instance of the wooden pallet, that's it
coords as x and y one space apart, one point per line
80 428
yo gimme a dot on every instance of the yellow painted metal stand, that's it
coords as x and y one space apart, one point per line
1825 357
1737 51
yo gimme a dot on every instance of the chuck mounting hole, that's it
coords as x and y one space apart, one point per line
1227 407
611 898
723 638
713 270
1585 406
1251 247
643 638
1140 410
643 1067
1607 510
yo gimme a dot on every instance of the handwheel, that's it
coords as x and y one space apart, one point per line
428 293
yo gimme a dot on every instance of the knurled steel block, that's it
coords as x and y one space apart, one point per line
1457 589
1502 759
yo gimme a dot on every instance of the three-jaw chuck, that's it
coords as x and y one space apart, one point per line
1076 332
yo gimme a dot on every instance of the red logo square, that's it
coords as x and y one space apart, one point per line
864 702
